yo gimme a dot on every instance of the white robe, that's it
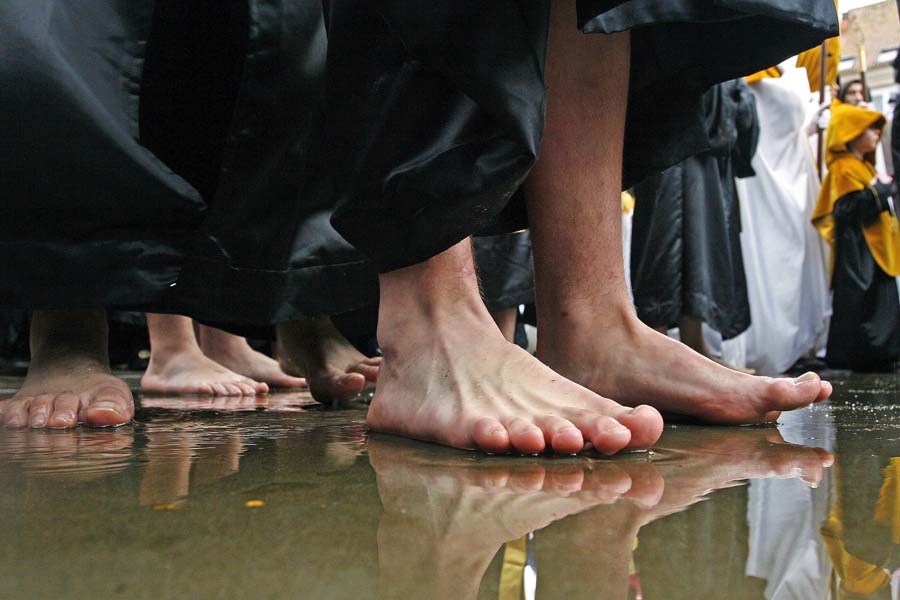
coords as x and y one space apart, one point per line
784 258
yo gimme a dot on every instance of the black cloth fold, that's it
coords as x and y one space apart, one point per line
865 322
686 257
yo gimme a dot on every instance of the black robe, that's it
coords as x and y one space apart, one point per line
686 250
865 322
122 190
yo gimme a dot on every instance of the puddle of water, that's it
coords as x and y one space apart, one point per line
268 498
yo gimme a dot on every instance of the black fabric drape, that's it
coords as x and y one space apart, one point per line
686 255
435 110
865 322
434 115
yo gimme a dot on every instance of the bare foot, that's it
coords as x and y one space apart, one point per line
616 355
178 366
334 369
69 381
234 353
728 365
450 377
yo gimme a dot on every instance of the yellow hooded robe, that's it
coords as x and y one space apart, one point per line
846 174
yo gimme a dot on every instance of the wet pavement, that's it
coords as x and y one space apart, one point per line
273 498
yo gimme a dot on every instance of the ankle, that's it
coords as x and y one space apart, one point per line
69 335
438 295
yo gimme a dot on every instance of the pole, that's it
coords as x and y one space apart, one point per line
820 139
861 53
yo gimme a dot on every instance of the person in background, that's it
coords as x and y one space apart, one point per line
854 214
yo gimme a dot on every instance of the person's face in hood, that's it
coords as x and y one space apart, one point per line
867 142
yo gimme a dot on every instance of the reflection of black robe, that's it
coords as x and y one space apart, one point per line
100 211
686 249
865 323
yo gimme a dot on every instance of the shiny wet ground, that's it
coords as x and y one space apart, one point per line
206 498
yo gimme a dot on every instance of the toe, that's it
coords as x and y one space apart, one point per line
65 411
825 391
370 372
247 389
788 394
645 424
40 410
562 435
525 436
109 407
232 389
491 436
16 413
337 386
606 434
259 387
219 389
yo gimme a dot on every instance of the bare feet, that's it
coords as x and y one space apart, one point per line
617 355
334 369
178 366
450 377
234 353
69 381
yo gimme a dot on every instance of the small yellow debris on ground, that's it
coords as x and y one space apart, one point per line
254 503
165 506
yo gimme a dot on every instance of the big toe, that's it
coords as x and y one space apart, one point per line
336 387
788 394
645 424
109 407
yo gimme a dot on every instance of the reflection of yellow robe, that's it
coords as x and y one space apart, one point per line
847 173
811 61
858 576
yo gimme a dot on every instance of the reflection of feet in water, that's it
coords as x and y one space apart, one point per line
68 380
334 369
590 551
174 461
234 353
445 515
283 402
82 455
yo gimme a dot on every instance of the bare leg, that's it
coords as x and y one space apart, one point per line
69 381
334 369
450 377
178 366
691 332
505 318
589 331
234 353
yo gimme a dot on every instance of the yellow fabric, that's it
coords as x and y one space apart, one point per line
887 510
811 61
857 576
627 203
847 173
770 73
512 573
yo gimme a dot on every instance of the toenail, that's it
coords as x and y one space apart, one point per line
805 378
110 406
